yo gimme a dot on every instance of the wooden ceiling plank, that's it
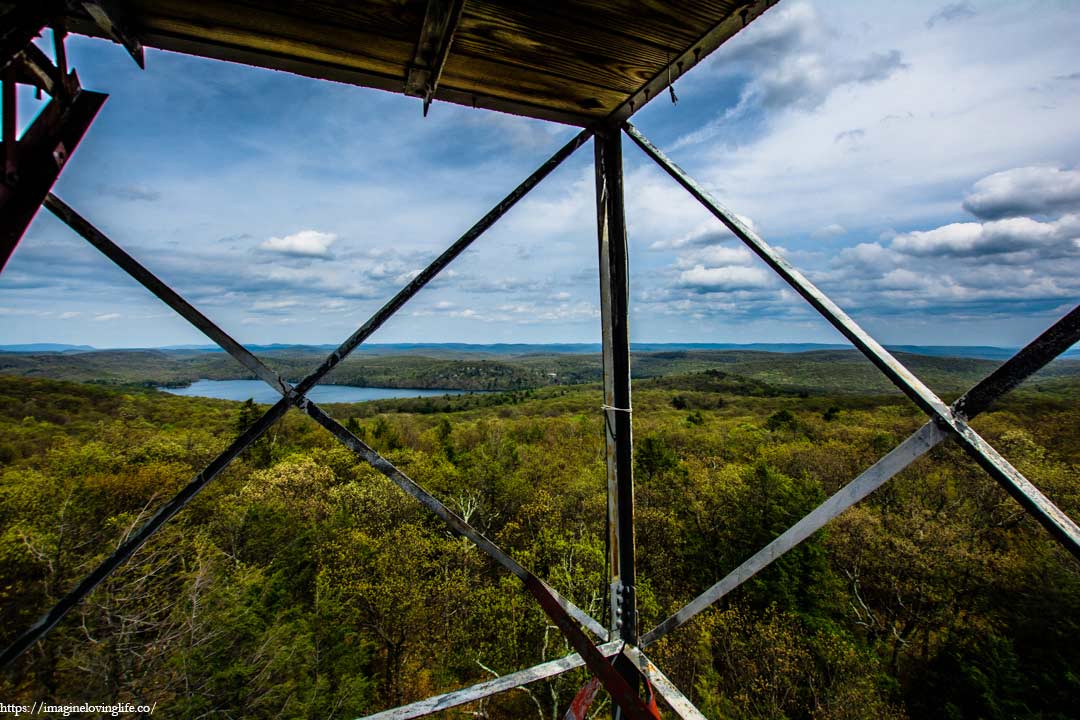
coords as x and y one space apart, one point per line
675 23
532 40
475 74
270 32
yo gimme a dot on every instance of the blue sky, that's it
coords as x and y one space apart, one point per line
919 162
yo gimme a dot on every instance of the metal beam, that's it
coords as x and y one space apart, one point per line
1059 524
185 309
491 687
1040 351
565 616
871 479
448 516
38 159
126 549
432 48
112 19
1058 338
459 246
678 702
618 432
33 67
165 293
279 384
46 622
618 440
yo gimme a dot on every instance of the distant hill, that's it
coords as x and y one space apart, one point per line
985 352
464 367
45 347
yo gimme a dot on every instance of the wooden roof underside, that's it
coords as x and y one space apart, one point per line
572 61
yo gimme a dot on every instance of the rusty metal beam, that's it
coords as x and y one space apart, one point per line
1055 521
618 429
488 688
38 158
614 312
115 22
1033 357
441 19
678 702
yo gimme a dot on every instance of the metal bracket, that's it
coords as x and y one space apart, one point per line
432 49
111 18
38 158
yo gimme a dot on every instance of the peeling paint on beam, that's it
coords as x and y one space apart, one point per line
491 687
678 702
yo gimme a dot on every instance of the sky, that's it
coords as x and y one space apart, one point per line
919 162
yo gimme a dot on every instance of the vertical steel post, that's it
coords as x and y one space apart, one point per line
614 311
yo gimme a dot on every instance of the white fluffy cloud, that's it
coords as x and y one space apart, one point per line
718 279
306 243
1038 190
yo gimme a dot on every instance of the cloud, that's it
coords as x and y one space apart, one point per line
701 279
963 270
273 305
850 135
108 316
1037 190
952 11
999 236
707 234
306 243
788 62
715 256
830 230
869 256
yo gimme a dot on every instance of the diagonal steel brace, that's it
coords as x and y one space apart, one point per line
1040 351
1059 524
290 396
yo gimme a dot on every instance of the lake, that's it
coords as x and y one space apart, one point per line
260 392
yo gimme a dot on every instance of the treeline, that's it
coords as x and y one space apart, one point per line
303 584
820 371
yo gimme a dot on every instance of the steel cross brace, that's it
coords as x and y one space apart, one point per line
31 164
566 616
1058 338
1049 515
614 649
248 360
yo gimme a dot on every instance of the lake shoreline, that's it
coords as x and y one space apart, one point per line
260 392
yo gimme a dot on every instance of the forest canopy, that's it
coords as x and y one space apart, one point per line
302 583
